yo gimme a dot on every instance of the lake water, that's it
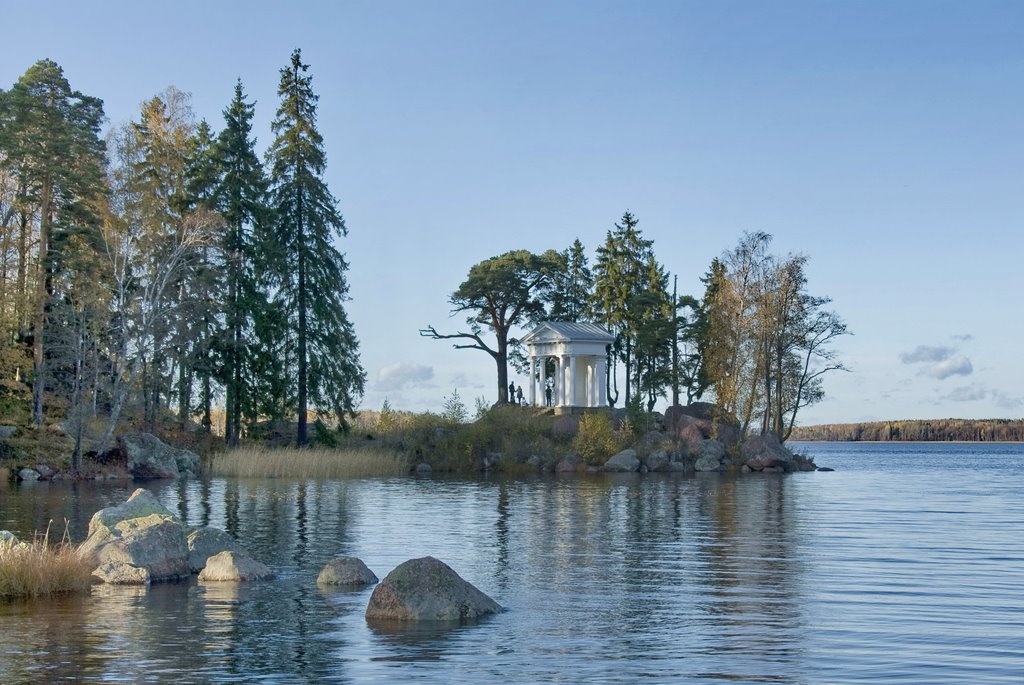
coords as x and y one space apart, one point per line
905 565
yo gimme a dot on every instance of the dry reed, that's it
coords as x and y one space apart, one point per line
39 569
260 462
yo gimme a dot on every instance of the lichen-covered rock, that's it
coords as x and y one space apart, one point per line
710 456
140 532
149 457
346 571
206 542
427 590
120 573
623 462
234 566
7 432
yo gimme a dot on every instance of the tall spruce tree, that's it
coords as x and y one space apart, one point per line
310 272
620 276
572 284
241 198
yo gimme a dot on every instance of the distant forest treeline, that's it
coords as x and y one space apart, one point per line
938 430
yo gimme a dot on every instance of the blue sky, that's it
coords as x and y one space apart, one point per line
883 139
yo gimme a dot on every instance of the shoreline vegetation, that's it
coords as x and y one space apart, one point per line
40 569
915 430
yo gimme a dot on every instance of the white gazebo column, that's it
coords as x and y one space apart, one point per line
572 381
533 381
602 385
592 386
556 391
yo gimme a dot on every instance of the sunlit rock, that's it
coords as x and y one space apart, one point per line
142 533
234 566
206 542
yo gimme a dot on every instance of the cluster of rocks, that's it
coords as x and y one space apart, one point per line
140 541
138 456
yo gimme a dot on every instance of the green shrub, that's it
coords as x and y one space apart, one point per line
596 441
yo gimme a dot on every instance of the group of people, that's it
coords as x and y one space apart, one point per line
517 393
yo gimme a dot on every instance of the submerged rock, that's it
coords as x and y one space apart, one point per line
427 590
234 566
346 571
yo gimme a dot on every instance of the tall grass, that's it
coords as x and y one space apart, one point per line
355 462
39 569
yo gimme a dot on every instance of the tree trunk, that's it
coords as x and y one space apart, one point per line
302 398
38 379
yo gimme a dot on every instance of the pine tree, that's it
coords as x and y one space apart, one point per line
49 135
310 272
241 197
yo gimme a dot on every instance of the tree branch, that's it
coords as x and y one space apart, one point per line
431 332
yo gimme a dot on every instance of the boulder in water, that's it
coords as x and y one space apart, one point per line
206 542
427 590
623 462
234 566
142 533
346 571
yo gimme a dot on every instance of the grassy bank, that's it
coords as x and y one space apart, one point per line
39 569
343 462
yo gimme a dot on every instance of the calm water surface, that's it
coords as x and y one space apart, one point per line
906 565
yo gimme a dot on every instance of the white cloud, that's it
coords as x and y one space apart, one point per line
404 375
1007 401
941 361
955 366
968 393
963 337
926 353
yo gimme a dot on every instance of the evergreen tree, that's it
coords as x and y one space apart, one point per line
620 275
241 197
501 293
572 286
49 137
310 272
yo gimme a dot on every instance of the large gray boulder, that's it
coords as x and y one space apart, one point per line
765 452
206 542
659 460
623 462
7 431
346 571
149 457
234 566
427 590
141 533
710 456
